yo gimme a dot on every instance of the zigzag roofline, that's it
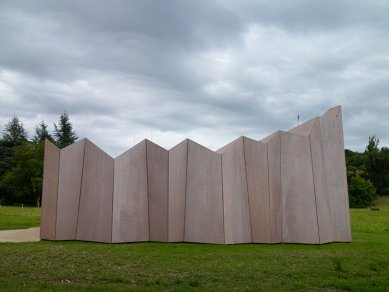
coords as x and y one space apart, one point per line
301 130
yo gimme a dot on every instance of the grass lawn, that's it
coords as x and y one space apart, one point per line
12 217
358 266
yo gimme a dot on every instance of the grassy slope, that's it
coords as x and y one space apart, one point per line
18 218
358 266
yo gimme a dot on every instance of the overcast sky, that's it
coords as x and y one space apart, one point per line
206 70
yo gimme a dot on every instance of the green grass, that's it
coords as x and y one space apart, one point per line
12 217
382 203
367 221
362 265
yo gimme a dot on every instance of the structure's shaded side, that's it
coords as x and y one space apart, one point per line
130 221
95 211
158 182
257 173
50 191
289 187
335 167
237 225
178 158
204 196
69 187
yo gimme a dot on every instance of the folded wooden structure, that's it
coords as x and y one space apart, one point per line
289 187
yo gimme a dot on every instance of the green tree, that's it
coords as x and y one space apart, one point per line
361 192
64 134
385 169
355 163
6 157
14 133
23 182
377 165
372 145
41 133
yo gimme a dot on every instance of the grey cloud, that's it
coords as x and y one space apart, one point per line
305 15
208 70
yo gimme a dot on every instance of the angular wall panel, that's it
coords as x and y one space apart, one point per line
178 157
204 196
130 221
158 182
304 129
299 219
335 166
320 183
95 211
258 189
49 191
275 189
237 225
69 188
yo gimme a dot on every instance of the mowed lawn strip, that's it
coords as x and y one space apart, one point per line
12 217
358 266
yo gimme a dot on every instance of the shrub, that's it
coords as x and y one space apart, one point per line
361 192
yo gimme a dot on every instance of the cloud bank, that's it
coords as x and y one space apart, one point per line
206 70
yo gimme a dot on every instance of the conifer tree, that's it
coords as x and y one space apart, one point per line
63 133
41 133
14 133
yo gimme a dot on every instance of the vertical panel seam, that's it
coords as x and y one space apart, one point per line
148 190
80 192
282 190
113 192
56 203
167 196
186 186
343 161
314 189
247 188
268 187
327 197
221 171
323 138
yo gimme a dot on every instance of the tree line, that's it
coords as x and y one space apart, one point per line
21 158
367 173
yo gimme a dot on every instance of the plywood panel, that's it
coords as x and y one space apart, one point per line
320 181
274 160
95 211
158 182
237 225
178 157
49 191
130 221
258 188
270 137
304 129
299 219
335 165
69 188
204 201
